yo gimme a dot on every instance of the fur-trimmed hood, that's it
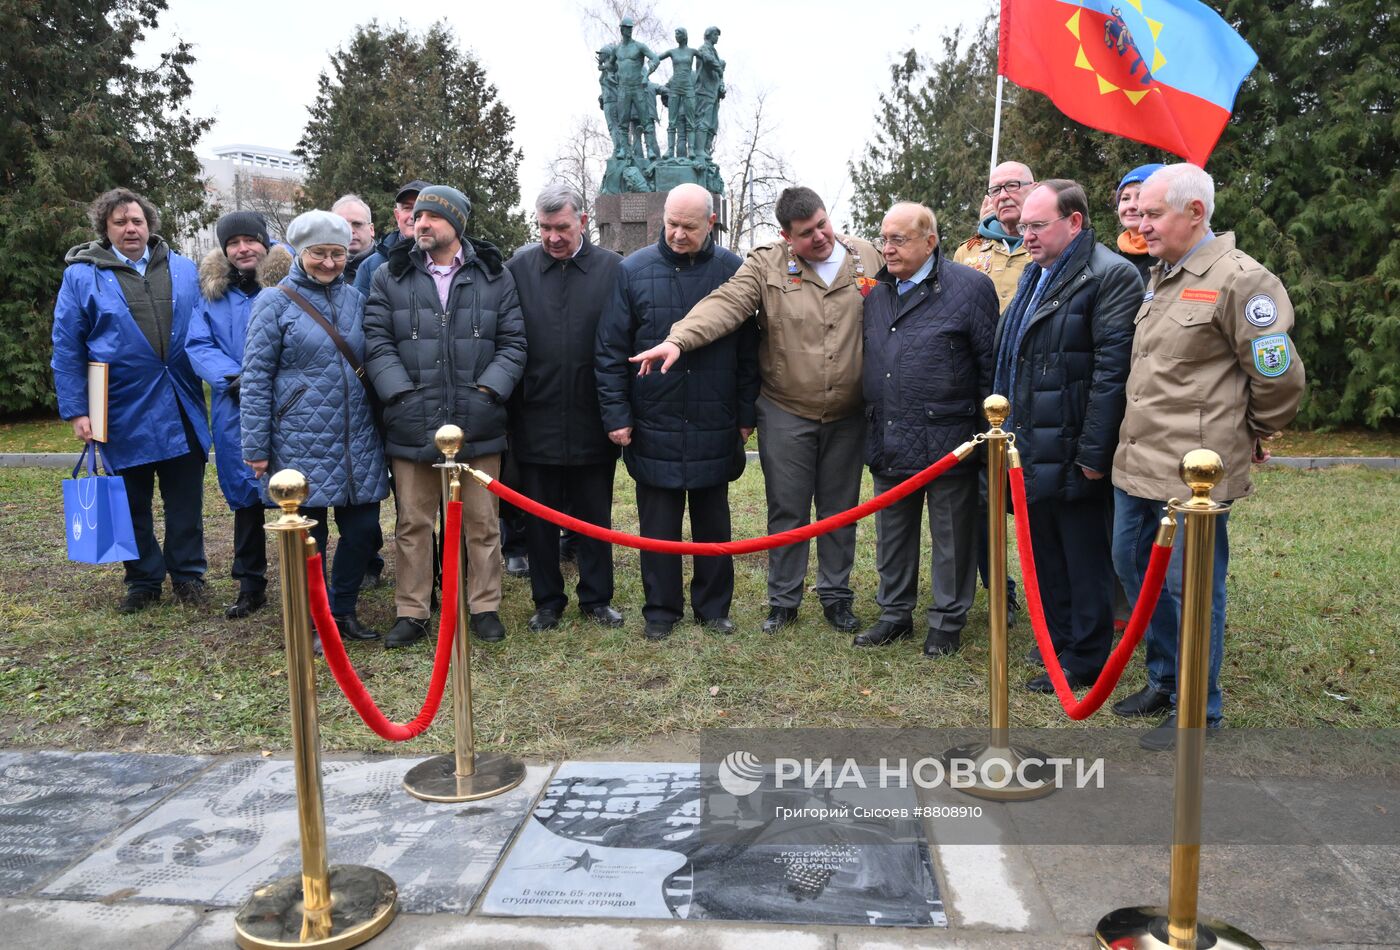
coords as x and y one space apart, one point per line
215 272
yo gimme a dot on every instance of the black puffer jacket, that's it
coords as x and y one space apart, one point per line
1071 370
928 366
554 417
685 422
427 365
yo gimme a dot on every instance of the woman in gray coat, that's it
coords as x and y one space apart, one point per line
303 406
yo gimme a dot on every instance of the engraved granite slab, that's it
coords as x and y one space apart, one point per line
236 828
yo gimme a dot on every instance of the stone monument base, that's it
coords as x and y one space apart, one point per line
631 221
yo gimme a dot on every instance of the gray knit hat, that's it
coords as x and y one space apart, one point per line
318 227
447 202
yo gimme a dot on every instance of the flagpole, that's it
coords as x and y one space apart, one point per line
996 125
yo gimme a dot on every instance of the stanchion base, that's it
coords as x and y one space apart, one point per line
997 762
436 780
363 902
1145 928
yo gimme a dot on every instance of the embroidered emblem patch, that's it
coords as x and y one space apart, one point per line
1148 296
1261 310
1197 295
1272 355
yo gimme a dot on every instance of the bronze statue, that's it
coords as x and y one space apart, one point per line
680 89
632 58
709 90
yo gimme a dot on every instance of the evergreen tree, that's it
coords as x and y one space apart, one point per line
395 106
81 118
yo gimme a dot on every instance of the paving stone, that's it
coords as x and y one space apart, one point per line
93 926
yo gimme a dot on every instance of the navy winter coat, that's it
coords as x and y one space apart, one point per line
218 330
685 423
427 363
928 366
302 405
1071 370
146 395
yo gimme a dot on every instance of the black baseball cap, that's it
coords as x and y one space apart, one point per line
412 188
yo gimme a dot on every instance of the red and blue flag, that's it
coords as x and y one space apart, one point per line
1163 72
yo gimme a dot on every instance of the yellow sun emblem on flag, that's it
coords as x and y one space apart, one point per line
1117 38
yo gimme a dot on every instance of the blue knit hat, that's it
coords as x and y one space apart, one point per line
1139 175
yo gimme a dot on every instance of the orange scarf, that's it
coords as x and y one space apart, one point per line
1130 242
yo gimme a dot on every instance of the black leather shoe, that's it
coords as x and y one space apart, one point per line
487 627
720 625
316 648
937 643
778 618
1148 701
657 629
406 631
1033 656
371 581
138 599
838 614
350 629
543 619
1163 737
1013 606
188 593
248 602
881 633
518 566
604 615
1042 684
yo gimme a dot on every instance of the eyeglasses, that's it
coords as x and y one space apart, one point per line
1035 227
894 240
320 257
1010 187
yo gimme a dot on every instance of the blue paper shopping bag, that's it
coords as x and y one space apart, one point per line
95 509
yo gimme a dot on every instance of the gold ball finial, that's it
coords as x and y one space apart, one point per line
448 439
1201 470
288 490
996 408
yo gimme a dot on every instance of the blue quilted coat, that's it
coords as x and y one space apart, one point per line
302 406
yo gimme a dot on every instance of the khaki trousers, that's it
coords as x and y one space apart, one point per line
419 491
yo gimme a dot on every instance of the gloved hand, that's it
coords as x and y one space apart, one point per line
233 388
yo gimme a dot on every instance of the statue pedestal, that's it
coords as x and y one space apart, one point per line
633 220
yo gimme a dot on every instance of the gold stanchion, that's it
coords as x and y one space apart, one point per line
1002 772
1179 927
333 907
463 776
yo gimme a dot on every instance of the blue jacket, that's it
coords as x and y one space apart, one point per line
303 407
928 366
364 273
146 395
218 329
685 423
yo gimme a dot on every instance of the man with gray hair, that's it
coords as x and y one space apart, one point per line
1213 367
356 214
564 457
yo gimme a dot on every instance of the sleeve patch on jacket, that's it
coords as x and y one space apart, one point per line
1261 310
1272 355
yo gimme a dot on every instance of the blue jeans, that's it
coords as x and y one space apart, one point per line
1134 529
357 525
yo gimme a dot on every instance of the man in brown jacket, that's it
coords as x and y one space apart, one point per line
808 290
996 249
1212 367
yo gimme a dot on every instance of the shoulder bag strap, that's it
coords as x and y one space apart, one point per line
335 336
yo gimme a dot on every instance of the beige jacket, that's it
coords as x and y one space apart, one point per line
809 356
992 258
1212 367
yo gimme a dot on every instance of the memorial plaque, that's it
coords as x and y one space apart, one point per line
634 207
236 828
618 839
56 806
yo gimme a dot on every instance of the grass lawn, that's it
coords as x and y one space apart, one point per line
1311 613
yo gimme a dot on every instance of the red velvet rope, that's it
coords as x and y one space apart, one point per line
747 546
1132 634
339 662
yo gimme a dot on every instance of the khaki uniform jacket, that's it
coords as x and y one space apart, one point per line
1212 367
992 258
810 343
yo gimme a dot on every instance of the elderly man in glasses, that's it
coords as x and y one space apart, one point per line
996 250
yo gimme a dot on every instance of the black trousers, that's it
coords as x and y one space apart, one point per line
586 492
182 491
357 526
660 512
1074 562
249 549
513 521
